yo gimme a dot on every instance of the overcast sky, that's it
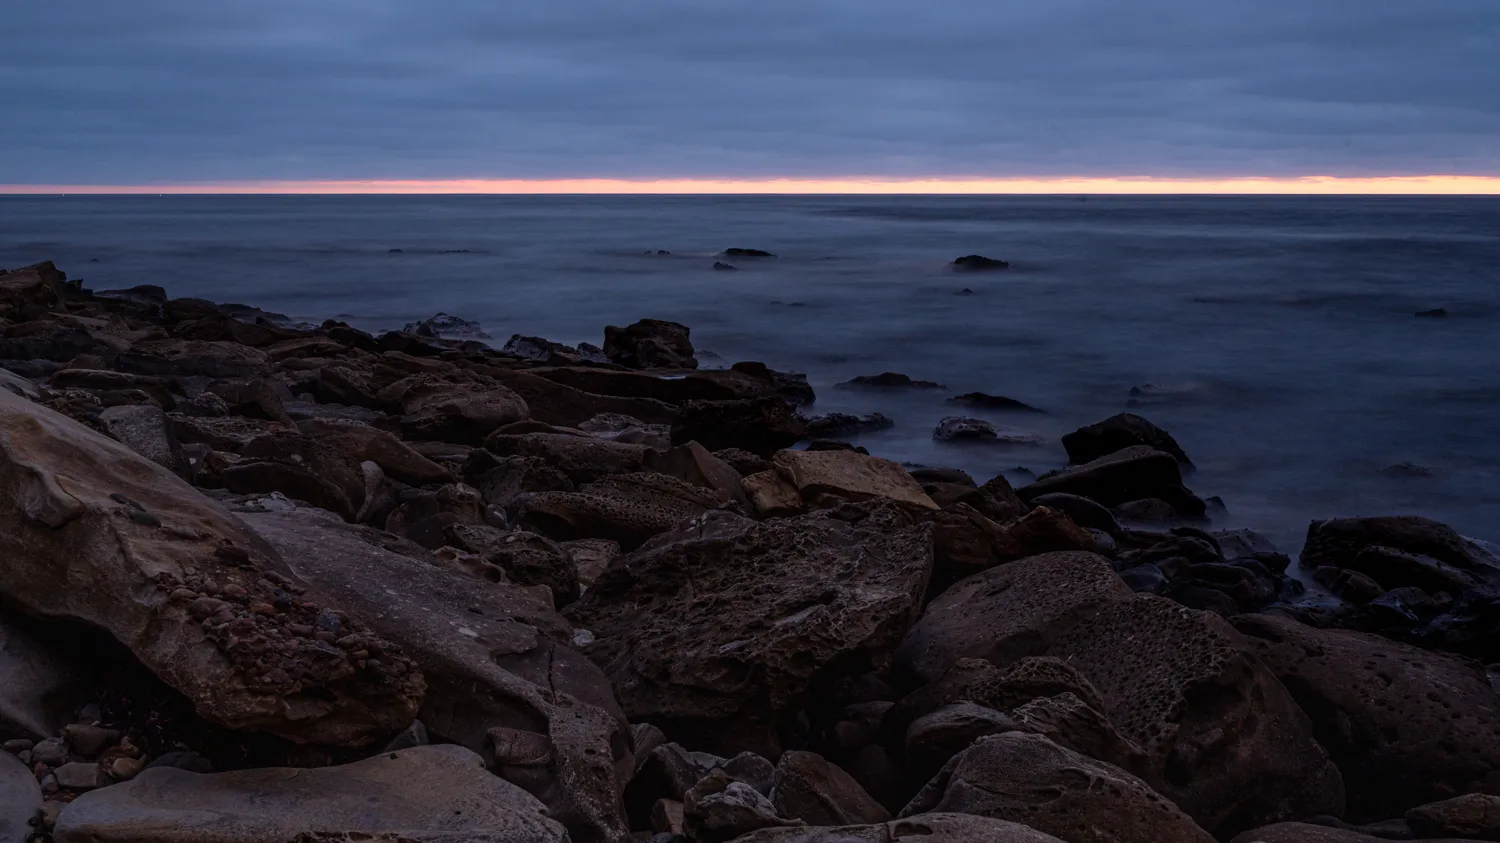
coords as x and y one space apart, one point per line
140 91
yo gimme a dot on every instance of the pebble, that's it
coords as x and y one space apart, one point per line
18 745
52 752
49 783
78 775
123 769
88 740
48 817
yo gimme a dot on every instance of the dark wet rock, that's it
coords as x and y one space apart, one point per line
927 828
746 253
650 344
1407 469
724 267
844 424
1394 568
809 788
1474 816
302 468
1007 613
719 808
86 506
773 608
1469 626
104 380
628 509
982 401
147 431
979 262
177 357
1029 779
957 429
149 295
1084 512
801 480
556 402
1436 312
1117 433
759 425
425 793
1353 586
1224 739
1398 613
501 677
1340 541
448 327
1406 726
792 386
582 459
743 461
552 353
890 380
1132 474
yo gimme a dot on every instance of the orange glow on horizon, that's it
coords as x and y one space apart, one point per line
1310 185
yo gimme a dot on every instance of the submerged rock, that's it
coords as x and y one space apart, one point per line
724 267
957 429
979 262
890 380
448 327
650 344
982 401
746 253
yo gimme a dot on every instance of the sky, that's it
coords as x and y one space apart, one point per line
272 94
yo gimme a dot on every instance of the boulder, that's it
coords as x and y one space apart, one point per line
45 340
428 793
104 380
582 459
1339 542
626 508
1308 833
1116 433
1007 613
32 290
927 828
693 463
746 253
759 425
1225 739
524 558
177 357
1028 779
836 425
302 468
19 386
147 431
230 435
42 677
968 542
810 789
979 263
822 479
361 442
1406 726
20 800
458 413
555 401
716 632
935 737
96 533
791 386
650 344
501 677
890 380
982 401
1074 722
1131 474
1473 816
719 809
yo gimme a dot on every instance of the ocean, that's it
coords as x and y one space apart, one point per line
1275 337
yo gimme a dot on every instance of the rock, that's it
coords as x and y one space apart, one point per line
501 677
1082 511
1072 722
1406 726
20 800
834 425
1473 816
145 430
1226 742
791 386
1407 469
746 253
447 327
821 479
1007 613
591 557
89 740
1352 586
743 461
1116 433
890 380
302 468
650 344
966 542
627 509
581 458
78 775
724 267
1437 312
460 414
1030 780
666 771
41 680
109 381
83 508
194 357
552 353
716 631
1394 568
1339 542
956 429
719 809
17 385
1308 833
927 828
183 760
125 768
430 793
526 559
667 818
693 463
934 738
982 401
759 425
810 789
32 290
1131 474
979 262
52 751
361 442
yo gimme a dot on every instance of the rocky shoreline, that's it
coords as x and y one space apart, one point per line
273 582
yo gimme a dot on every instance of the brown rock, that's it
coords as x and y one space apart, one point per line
824 479
1406 726
223 434
195 357
694 464
83 508
1030 780
716 631
1132 474
650 344
719 809
302 468
1305 833
583 459
759 425
628 509
147 431
464 413
361 442
32 290
1473 816
937 736
927 828
553 400
810 789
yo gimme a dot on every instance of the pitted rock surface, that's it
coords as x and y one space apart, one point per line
583 459
1231 746
1406 726
99 534
361 442
1070 722
1002 689
628 509
809 788
1029 779
706 636
1007 613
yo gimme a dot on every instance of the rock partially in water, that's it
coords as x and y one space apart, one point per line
890 380
650 344
961 429
1398 542
1135 473
746 253
832 425
1117 433
983 401
448 327
724 267
979 262
760 425
1435 313
792 386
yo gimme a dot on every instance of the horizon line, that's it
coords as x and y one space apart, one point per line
1431 185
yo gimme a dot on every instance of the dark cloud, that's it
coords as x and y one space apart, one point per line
100 91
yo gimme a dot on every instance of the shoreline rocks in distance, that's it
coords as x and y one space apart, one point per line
979 263
983 401
734 252
889 380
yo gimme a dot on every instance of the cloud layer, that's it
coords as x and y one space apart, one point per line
99 91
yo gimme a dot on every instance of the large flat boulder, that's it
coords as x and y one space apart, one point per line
1406 726
1116 433
1222 736
1132 474
1433 551
436 794
94 532
1007 613
583 459
501 677
716 632
1028 779
820 479
926 828
628 509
